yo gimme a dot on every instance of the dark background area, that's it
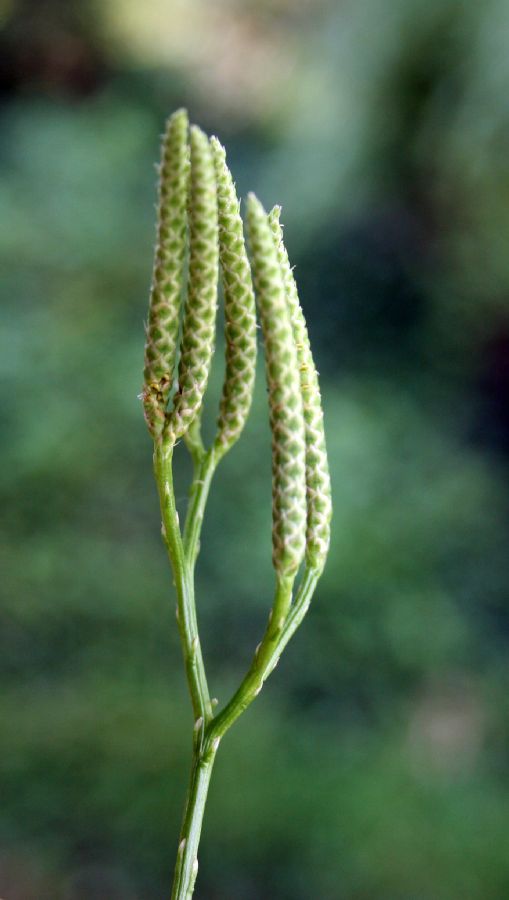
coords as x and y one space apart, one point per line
375 764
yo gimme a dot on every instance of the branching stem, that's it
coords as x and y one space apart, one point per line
184 583
284 619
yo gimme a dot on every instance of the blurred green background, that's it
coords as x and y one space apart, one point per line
375 764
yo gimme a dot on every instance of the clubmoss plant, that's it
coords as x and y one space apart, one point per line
199 212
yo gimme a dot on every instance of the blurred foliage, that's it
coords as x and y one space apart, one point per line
375 764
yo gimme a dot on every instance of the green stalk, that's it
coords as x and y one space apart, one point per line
186 868
208 730
295 616
184 583
205 466
183 554
283 621
252 682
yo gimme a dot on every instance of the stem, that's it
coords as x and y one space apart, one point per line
283 623
295 616
284 620
204 470
186 867
184 583
260 668
193 440
183 554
